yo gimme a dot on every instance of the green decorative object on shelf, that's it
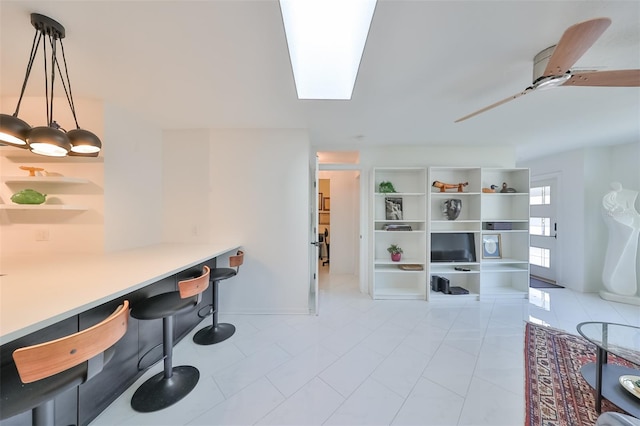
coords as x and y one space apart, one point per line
28 196
386 187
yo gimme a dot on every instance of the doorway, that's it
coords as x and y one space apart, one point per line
342 200
324 224
339 219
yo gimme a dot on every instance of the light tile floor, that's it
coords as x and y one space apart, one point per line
366 362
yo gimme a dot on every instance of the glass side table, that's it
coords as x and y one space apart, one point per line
623 341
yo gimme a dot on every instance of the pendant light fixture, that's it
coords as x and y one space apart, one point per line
50 139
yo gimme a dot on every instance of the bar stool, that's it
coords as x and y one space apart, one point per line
216 333
42 371
174 383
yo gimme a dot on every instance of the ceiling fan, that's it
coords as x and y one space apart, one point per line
552 65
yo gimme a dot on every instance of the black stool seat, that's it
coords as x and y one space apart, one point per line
218 274
218 332
17 397
162 305
173 383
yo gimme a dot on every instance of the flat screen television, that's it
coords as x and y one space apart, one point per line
453 247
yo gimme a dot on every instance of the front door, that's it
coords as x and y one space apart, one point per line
543 254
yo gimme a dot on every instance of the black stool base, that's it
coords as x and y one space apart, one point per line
159 392
211 335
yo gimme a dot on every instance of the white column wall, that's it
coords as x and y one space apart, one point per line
133 181
260 197
186 186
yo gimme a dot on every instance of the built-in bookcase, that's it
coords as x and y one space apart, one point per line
499 223
496 223
404 279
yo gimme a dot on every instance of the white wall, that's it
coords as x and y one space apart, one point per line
623 166
625 162
67 231
585 175
260 198
133 181
186 187
125 191
444 155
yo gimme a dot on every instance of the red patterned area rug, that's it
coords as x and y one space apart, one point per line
555 391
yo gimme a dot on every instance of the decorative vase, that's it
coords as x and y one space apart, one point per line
396 257
452 208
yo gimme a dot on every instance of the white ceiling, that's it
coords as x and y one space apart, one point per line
202 64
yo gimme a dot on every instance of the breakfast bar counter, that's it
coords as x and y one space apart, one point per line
40 290
45 297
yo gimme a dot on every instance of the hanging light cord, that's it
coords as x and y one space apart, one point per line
48 99
49 139
67 90
32 56
55 64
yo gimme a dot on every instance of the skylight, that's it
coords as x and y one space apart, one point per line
326 39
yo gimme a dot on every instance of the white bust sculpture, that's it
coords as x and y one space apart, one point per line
623 222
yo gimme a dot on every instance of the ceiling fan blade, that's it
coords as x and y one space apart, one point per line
575 41
619 78
504 101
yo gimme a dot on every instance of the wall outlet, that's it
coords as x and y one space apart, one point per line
42 235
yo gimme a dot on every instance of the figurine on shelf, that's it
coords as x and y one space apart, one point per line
32 170
444 186
452 208
386 187
490 190
506 189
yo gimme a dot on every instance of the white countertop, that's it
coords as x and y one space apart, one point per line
37 291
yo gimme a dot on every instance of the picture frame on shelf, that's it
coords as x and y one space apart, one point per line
491 246
320 201
326 204
324 218
393 208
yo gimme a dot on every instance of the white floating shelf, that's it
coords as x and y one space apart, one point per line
42 207
43 179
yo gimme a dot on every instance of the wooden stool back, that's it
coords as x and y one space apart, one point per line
237 260
196 285
46 359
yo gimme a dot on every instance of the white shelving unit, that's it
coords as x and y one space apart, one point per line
507 275
468 221
42 207
390 280
42 179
